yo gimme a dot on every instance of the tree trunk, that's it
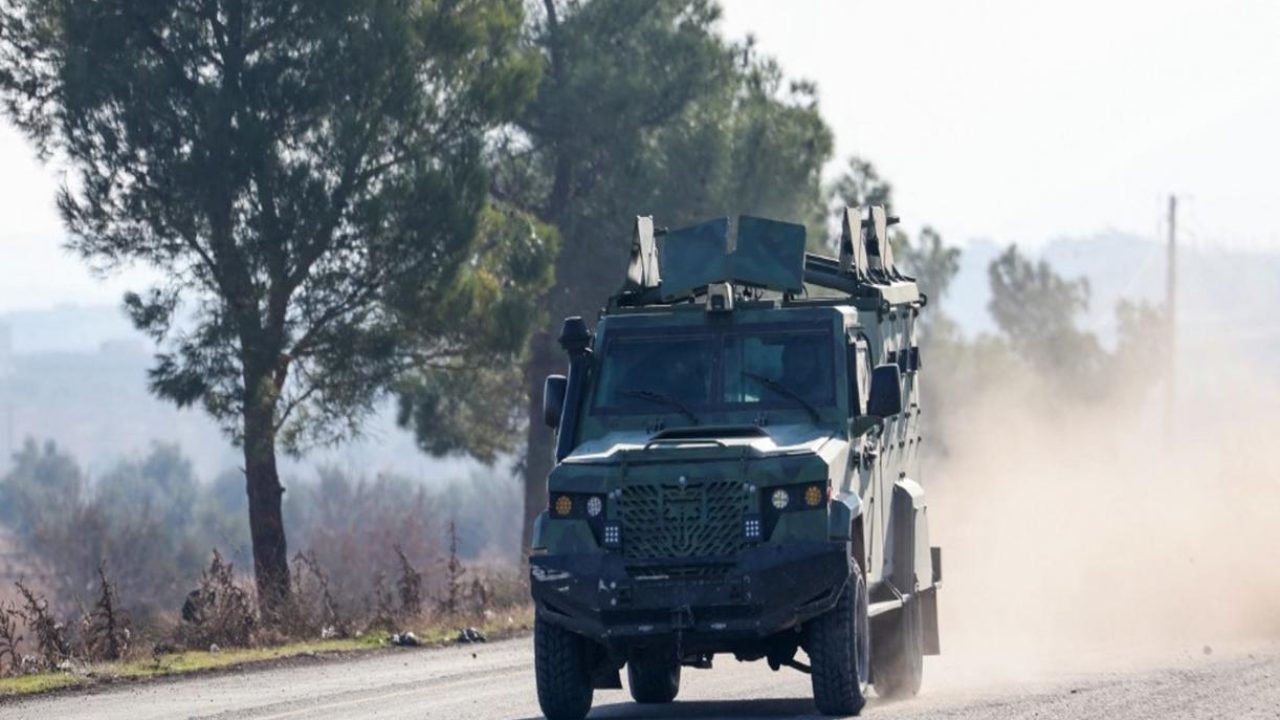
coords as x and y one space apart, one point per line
540 447
266 520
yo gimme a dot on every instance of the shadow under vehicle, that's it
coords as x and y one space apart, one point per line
734 450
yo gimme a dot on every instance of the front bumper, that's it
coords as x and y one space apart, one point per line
766 590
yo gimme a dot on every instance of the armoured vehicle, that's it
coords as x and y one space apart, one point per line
735 445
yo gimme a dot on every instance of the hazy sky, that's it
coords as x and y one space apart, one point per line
1014 121
1023 121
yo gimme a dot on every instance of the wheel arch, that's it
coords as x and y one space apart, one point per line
844 511
859 538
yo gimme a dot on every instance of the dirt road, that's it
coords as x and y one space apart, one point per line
496 681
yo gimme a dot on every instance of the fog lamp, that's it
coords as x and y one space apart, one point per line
612 535
751 528
564 505
780 499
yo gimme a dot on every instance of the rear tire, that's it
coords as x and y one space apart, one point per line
560 664
654 677
838 643
898 659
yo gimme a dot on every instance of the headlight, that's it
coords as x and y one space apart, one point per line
780 499
595 506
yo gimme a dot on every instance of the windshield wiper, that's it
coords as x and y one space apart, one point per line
781 389
657 397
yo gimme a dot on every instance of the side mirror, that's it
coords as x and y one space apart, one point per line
553 391
886 391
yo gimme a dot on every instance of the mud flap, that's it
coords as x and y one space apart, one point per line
606 677
605 668
929 606
928 600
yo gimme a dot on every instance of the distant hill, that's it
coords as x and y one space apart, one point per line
77 375
67 328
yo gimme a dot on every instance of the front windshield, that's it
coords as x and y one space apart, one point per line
673 367
740 368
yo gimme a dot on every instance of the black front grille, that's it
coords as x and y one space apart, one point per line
673 521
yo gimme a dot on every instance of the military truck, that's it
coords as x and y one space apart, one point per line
735 451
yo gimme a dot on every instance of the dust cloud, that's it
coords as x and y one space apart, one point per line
1074 528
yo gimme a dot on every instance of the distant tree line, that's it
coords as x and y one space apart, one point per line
152 524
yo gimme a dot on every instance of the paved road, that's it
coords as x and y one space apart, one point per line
497 682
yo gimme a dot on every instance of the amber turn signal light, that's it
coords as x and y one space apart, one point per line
813 496
564 505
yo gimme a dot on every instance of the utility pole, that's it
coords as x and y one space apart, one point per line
1170 311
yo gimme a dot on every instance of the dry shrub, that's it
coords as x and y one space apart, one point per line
351 527
393 604
52 644
313 611
478 594
451 603
106 629
471 592
220 611
507 587
383 613
409 585
9 639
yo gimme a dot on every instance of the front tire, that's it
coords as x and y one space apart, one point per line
839 644
560 664
899 653
654 677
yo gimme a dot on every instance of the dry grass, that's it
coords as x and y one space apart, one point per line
434 633
39 683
